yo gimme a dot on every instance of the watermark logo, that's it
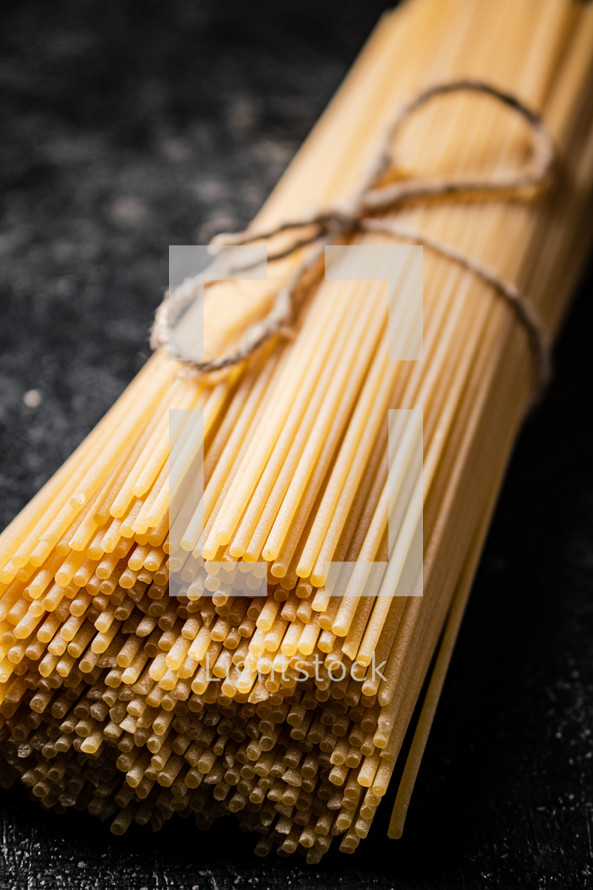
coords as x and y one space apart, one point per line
389 560
297 669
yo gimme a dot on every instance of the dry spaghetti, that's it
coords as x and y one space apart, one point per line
134 705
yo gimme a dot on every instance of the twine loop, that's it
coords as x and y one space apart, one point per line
365 212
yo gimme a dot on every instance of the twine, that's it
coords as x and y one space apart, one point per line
363 214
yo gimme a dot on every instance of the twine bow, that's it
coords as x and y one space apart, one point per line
363 214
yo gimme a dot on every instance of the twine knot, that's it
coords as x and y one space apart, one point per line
365 212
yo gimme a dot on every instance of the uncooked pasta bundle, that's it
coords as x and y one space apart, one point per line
242 591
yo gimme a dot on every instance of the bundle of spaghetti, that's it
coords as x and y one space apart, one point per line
134 701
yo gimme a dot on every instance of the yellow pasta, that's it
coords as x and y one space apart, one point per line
134 704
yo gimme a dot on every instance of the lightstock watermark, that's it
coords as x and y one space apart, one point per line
298 670
212 527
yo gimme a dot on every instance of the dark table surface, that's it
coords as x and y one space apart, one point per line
132 126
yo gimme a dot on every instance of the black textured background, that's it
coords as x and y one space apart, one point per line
134 125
